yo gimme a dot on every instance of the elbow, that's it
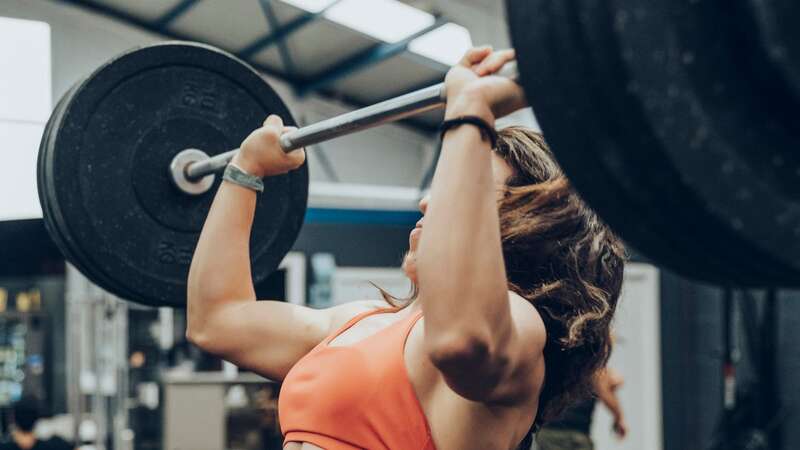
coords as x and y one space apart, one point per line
467 354
201 331
461 351
206 341
469 366
199 338
195 337
196 317
203 313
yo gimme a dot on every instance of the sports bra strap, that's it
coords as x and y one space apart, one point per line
355 320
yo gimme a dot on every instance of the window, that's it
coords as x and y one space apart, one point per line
446 44
25 104
387 20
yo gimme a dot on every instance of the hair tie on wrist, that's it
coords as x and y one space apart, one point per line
238 176
487 131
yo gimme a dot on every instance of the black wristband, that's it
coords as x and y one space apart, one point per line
487 131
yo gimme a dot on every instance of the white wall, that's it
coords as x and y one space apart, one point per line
81 41
387 155
637 357
356 283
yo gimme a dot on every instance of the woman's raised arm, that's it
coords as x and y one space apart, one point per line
476 332
223 315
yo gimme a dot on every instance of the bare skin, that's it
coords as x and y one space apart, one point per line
475 359
23 439
605 383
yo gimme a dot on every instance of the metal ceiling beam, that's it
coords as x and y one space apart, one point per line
122 16
178 10
283 32
361 61
283 48
152 27
418 86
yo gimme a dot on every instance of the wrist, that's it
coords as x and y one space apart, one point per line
247 165
469 103
236 175
487 132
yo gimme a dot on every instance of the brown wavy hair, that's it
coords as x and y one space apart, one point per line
562 258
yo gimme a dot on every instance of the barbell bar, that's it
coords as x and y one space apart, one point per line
191 168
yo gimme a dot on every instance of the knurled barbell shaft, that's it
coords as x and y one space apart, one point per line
392 110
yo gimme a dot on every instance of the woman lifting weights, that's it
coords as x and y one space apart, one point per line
516 281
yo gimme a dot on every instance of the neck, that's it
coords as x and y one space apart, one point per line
414 307
24 439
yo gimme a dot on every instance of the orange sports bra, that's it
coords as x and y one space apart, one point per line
357 396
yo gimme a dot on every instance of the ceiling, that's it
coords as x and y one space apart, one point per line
309 51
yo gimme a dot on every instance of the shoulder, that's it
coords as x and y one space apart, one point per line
525 371
528 323
341 314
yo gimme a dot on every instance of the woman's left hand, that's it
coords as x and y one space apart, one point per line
472 86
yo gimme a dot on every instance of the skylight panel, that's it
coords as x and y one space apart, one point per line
312 6
387 20
446 44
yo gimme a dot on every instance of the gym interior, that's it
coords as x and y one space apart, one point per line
93 316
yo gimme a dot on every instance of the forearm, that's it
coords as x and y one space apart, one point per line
460 261
607 394
611 402
220 271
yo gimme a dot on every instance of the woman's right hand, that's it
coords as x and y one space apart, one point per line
261 154
472 84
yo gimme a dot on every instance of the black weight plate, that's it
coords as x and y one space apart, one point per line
633 156
47 191
684 218
619 199
116 289
775 24
114 204
579 77
637 158
44 188
730 133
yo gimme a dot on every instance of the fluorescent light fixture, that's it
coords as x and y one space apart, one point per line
312 6
446 44
388 20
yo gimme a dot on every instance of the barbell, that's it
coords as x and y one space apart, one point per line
675 123
192 169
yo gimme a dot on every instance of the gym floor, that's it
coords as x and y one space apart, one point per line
98 337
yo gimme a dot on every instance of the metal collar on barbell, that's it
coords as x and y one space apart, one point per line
178 170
